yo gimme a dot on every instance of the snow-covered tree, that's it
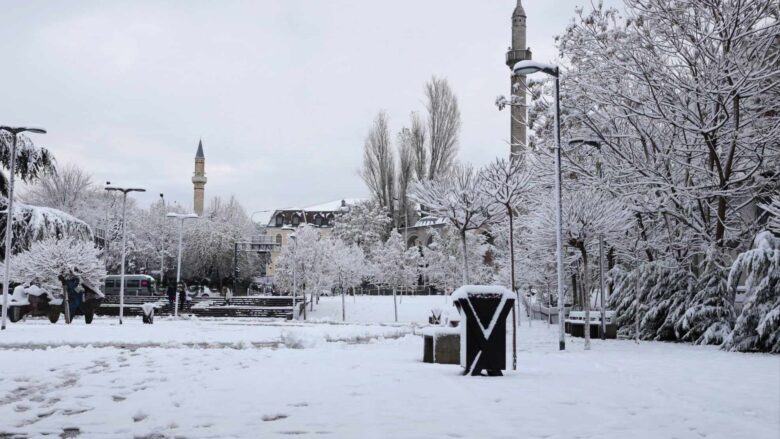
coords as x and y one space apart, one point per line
308 258
587 214
345 265
34 223
441 259
459 198
758 327
209 242
709 316
31 161
773 210
69 189
365 224
50 260
378 170
395 267
506 182
443 127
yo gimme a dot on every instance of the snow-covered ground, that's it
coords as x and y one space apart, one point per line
238 378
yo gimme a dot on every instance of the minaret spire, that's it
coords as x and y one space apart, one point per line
199 180
518 52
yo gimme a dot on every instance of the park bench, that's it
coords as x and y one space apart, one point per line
133 305
249 306
575 324
242 306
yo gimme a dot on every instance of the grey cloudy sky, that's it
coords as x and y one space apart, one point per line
282 92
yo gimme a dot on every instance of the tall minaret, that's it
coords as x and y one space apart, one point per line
518 52
199 179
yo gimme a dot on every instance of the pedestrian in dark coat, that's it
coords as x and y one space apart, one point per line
171 292
182 295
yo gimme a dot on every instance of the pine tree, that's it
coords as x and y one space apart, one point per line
758 326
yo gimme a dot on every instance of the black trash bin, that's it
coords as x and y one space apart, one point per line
483 338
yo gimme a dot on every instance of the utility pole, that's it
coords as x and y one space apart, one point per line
124 191
9 211
162 242
181 217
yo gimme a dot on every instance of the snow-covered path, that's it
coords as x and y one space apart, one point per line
375 388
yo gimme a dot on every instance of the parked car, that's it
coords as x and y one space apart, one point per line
84 299
202 292
135 285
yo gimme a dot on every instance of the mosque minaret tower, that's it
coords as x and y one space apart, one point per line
199 180
518 52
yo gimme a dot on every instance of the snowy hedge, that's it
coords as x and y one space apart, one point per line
34 223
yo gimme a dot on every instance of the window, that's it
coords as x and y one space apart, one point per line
329 220
318 221
133 283
109 284
279 239
279 220
295 220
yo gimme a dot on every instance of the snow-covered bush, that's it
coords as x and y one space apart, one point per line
709 316
758 326
34 223
50 260
650 299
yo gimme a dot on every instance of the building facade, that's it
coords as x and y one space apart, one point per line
519 51
284 222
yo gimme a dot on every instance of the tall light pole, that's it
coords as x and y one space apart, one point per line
295 262
528 67
124 192
9 212
181 217
596 144
162 242
105 229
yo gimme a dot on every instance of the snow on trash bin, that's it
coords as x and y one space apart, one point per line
484 309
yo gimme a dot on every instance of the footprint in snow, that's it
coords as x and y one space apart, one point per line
274 417
139 416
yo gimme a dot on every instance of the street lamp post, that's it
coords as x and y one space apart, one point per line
181 217
124 192
105 230
162 242
528 67
596 144
295 279
9 211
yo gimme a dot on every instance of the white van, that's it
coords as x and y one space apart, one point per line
135 285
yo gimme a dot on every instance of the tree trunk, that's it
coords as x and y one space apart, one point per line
303 294
395 305
343 306
512 262
66 303
586 289
465 258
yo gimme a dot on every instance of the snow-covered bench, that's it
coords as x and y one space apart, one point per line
575 324
133 305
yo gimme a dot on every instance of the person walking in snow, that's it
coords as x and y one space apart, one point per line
171 292
182 287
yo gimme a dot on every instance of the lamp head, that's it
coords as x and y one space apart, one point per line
528 67
586 142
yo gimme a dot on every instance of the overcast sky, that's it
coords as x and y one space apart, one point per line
281 92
